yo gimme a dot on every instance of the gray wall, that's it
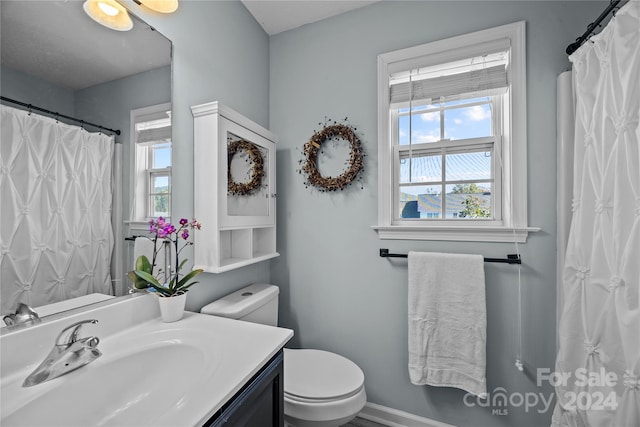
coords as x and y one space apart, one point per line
220 53
110 105
31 90
337 293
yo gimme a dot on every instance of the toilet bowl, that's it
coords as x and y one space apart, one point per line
321 389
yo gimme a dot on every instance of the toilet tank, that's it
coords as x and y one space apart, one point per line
257 303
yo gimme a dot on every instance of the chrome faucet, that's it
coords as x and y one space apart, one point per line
69 353
23 315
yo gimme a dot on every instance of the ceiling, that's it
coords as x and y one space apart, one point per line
57 42
276 16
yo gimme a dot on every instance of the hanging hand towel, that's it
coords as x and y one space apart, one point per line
142 246
447 321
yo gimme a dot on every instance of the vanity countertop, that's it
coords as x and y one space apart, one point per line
150 373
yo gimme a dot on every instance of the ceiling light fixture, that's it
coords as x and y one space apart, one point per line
162 6
109 13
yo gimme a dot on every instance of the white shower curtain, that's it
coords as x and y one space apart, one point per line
597 374
56 236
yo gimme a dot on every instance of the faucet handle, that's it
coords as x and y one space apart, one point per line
23 314
69 335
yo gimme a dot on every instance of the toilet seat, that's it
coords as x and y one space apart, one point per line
320 376
293 398
321 389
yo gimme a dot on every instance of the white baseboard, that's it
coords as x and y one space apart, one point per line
394 418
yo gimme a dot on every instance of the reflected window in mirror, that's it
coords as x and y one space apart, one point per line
159 179
151 177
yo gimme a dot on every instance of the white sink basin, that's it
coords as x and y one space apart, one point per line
152 373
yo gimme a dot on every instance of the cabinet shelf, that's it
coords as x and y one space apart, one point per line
238 230
228 264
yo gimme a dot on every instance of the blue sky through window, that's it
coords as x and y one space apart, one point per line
454 120
162 155
465 121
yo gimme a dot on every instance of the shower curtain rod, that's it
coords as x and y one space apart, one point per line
613 6
57 115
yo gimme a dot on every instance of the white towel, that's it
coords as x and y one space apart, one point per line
142 246
447 321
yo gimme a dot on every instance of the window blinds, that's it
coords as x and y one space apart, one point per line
162 133
481 82
471 71
153 127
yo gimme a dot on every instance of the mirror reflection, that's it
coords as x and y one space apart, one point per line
64 183
246 171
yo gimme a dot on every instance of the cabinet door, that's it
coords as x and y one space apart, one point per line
255 207
259 404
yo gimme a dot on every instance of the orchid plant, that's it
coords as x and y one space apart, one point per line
147 276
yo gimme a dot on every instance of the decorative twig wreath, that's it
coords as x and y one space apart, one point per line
334 131
257 167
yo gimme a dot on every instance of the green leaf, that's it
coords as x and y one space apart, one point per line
162 290
147 278
185 287
188 277
138 283
143 264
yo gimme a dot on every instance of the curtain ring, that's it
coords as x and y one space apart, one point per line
57 117
29 107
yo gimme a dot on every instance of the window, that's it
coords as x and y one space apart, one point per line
445 159
159 179
452 139
151 166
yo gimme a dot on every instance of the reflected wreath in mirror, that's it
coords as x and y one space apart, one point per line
256 165
332 132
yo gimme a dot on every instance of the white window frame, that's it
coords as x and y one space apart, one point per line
511 225
140 171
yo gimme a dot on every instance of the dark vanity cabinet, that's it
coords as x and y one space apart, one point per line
260 403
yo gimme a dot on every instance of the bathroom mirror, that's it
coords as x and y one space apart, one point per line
55 57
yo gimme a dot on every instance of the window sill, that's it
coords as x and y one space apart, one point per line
456 233
138 225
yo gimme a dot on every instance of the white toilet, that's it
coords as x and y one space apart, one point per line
321 389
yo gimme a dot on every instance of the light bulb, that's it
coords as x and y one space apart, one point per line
108 9
109 13
162 6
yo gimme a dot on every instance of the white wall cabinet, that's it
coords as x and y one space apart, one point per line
237 230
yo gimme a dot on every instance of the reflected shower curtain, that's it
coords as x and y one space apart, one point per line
56 235
597 374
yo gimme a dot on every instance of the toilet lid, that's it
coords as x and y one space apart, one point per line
317 374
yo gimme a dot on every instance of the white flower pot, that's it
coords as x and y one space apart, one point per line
172 308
